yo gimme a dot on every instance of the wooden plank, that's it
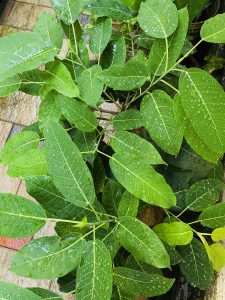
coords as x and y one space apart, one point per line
6 256
24 15
19 108
38 2
8 184
5 128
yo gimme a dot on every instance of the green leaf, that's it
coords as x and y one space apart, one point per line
133 263
175 257
78 114
67 168
118 294
165 52
100 35
187 159
217 172
19 217
125 77
99 174
175 233
50 31
56 206
213 216
88 78
114 53
112 9
94 276
128 142
213 29
196 143
17 55
111 196
157 111
73 32
195 265
205 110
10 291
40 258
141 284
218 256
86 143
49 109
158 18
45 294
142 181
142 242
111 242
57 76
9 86
128 205
33 163
203 194
218 234
18 145
195 8
128 120
67 10
32 82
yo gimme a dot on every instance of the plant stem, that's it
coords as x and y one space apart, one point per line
168 84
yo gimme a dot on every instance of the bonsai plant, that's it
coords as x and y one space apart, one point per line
99 173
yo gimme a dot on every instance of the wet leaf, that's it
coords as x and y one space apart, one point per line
159 120
133 263
9 85
128 205
94 275
18 145
203 194
202 98
40 258
67 10
10 291
48 28
78 114
195 265
213 29
127 120
57 76
214 216
175 233
142 181
165 52
23 51
158 18
142 242
139 283
88 78
67 168
19 217
32 163
192 138
127 142
111 196
100 35
113 9
45 294
125 77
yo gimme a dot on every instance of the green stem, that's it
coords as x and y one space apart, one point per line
169 85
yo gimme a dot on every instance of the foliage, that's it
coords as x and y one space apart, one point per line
96 170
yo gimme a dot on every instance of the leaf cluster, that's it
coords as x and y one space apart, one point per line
125 128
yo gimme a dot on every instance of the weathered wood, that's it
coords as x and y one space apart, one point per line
19 108
24 15
5 128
